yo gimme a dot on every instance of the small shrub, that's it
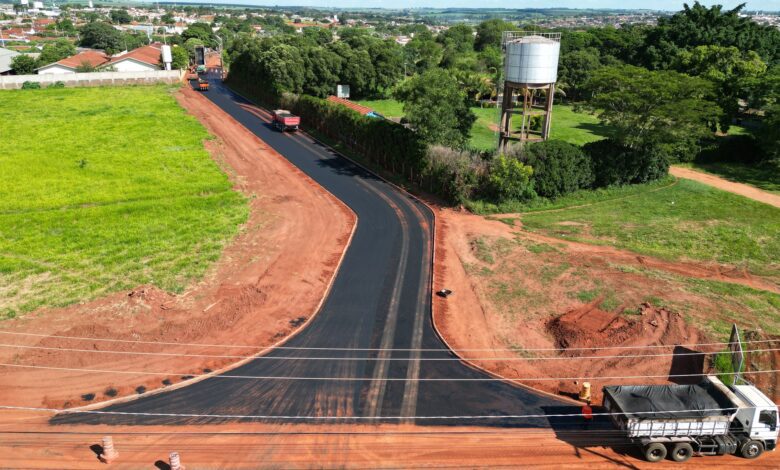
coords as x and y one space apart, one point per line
455 174
510 179
57 85
31 86
140 389
166 382
88 396
111 392
559 167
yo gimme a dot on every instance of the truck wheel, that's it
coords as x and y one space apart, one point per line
682 451
752 449
655 452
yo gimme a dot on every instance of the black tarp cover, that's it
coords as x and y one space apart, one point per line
657 401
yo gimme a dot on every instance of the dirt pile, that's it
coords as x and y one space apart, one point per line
589 327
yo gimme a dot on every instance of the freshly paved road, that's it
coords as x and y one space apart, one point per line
380 299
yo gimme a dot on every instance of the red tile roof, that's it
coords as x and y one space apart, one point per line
349 104
146 54
93 58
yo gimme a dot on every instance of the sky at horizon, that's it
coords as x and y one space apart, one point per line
670 5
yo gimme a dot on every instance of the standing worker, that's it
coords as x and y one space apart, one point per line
587 415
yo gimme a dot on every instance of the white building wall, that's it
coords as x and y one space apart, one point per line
55 69
133 66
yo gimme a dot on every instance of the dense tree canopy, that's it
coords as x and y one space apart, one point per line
23 64
646 107
701 26
55 51
437 108
100 35
734 74
489 33
201 31
120 16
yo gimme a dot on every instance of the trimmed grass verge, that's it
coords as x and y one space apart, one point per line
685 220
104 189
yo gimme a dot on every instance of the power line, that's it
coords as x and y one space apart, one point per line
303 348
348 418
395 379
294 358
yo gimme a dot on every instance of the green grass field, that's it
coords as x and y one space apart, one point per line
568 125
685 220
102 189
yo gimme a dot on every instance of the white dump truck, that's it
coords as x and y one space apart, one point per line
708 418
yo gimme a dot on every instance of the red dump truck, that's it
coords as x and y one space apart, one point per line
285 120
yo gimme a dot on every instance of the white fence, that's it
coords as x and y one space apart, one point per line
13 82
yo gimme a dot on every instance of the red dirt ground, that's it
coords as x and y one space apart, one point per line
545 314
265 286
293 446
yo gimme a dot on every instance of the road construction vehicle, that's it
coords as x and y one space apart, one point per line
709 418
203 85
285 120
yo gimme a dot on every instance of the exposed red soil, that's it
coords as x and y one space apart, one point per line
525 300
268 282
701 270
252 446
723 184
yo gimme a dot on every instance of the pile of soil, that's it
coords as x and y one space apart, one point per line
588 326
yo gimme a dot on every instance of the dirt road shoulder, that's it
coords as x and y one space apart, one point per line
741 189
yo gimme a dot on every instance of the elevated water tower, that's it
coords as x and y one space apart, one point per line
530 73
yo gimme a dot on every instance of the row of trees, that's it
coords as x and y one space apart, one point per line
312 63
658 110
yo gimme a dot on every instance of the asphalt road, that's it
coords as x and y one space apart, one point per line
380 299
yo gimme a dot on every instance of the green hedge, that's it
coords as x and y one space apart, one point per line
390 145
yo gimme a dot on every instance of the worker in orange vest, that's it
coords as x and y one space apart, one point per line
587 414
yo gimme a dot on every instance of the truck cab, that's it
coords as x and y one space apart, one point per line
758 417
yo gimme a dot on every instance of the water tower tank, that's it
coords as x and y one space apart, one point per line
532 59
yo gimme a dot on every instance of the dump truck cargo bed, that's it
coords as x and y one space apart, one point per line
703 409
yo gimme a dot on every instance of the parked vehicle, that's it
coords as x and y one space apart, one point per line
680 421
203 85
285 120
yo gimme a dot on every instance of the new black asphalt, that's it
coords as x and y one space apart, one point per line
380 299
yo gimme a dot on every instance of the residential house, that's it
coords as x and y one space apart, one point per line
94 59
138 60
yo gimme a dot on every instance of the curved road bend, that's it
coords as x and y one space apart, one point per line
380 299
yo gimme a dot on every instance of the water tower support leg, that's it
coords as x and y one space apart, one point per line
548 113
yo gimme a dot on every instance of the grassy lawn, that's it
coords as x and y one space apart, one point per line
387 108
573 127
103 189
685 220
762 177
